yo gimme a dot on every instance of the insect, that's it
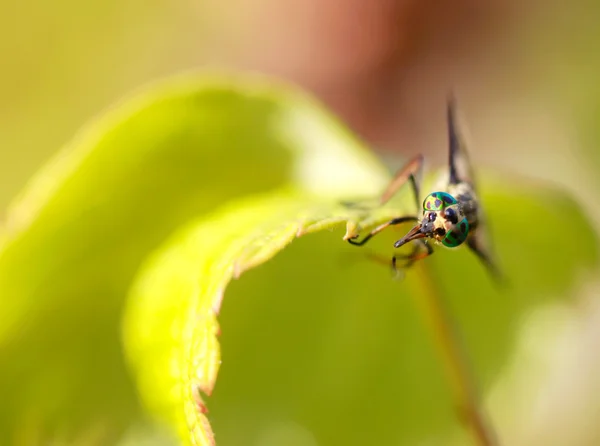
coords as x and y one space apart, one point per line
450 216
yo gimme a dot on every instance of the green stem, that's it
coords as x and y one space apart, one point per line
453 357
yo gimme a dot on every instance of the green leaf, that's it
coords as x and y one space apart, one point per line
313 345
196 181
75 238
182 293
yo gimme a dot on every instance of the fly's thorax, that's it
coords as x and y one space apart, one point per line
444 219
466 196
461 189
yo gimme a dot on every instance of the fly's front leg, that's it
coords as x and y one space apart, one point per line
378 229
412 172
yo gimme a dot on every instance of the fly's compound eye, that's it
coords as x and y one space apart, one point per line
457 234
437 201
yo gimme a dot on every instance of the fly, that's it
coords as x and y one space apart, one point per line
451 216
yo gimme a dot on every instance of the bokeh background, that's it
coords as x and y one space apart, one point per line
526 74
525 71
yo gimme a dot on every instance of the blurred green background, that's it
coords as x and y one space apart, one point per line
526 76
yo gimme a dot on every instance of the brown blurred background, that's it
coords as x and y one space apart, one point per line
384 66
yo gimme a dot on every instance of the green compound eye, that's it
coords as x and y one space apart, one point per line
437 201
457 235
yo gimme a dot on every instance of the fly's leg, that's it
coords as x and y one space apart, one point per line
410 172
417 254
409 259
378 229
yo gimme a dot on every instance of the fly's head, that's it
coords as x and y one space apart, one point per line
443 220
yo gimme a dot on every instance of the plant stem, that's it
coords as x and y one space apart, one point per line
453 357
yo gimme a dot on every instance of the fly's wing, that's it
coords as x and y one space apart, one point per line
479 243
461 171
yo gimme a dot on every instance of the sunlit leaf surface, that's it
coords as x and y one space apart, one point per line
331 338
196 182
